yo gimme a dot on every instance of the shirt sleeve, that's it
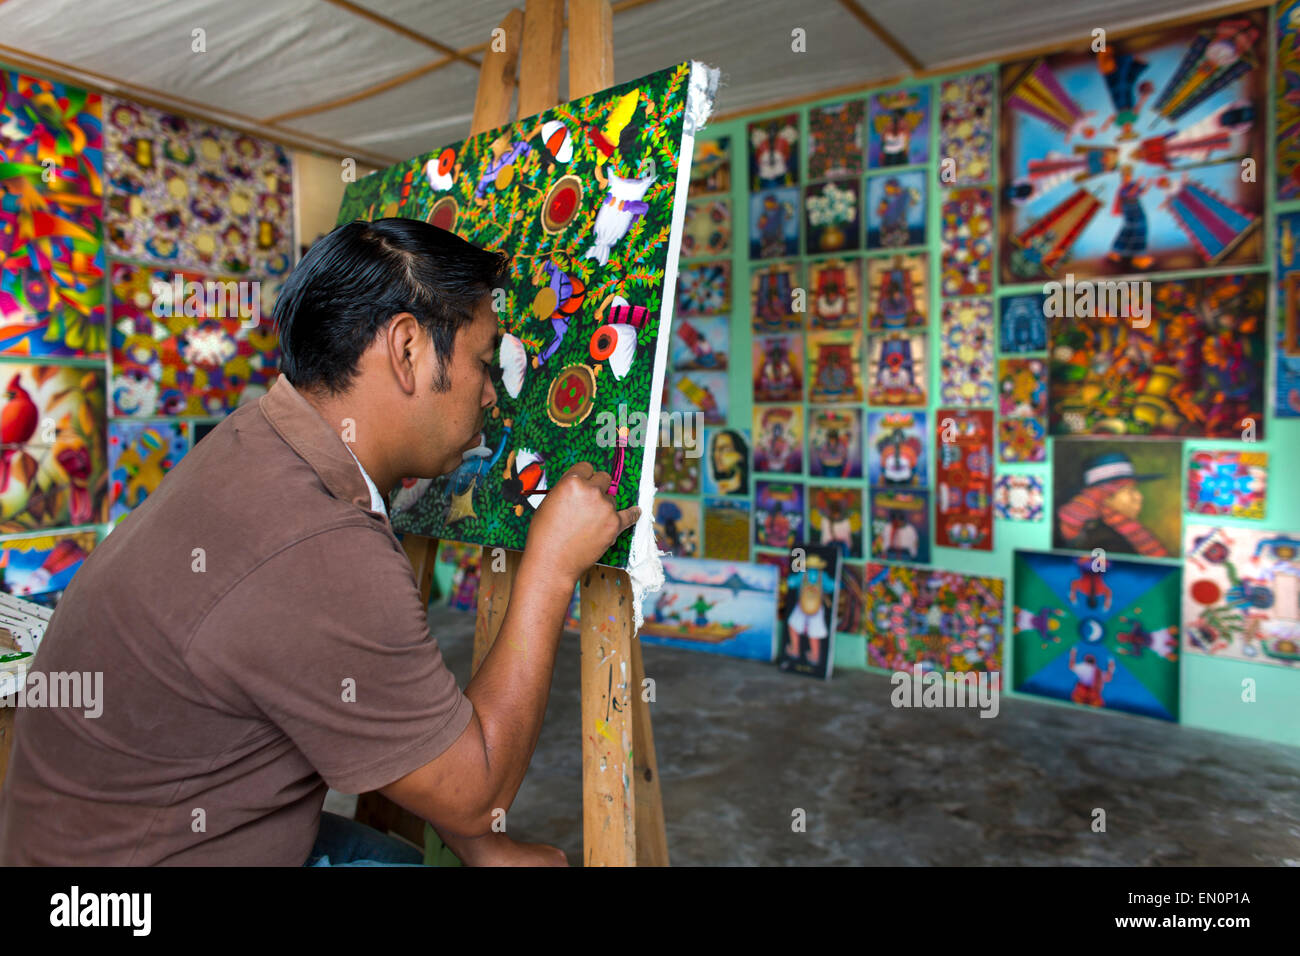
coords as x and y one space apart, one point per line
329 640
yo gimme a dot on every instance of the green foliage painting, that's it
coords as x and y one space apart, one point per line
582 199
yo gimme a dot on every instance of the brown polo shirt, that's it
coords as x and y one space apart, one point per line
260 635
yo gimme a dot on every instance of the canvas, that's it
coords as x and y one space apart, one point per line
1018 497
772 297
466 559
778 513
920 620
778 438
54 461
582 197
711 167
833 222
849 609
897 369
677 526
898 289
834 361
835 442
1123 497
835 518
963 494
900 525
1227 483
139 454
189 193
726 467
1241 595
1023 323
51 210
773 152
810 579
895 209
1287 85
1194 366
899 128
966 368
834 296
1286 399
1022 409
726 529
1130 159
1098 638
706 230
704 289
677 469
966 267
835 140
898 449
700 345
34 566
720 607
774 223
778 363
966 129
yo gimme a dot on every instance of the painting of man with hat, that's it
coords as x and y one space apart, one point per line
1122 497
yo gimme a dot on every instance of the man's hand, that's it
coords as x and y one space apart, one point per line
577 522
497 849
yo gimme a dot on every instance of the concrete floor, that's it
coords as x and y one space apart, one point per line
742 745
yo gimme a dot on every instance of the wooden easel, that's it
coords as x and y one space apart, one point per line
622 810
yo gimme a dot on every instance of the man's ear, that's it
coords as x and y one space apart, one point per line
408 346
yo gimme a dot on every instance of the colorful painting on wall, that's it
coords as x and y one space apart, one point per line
897 368
774 223
726 529
466 561
896 203
778 438
1129 159
704 289
835 442
677 526
966 129
963 502
711 167
54 461
720 607
967 236
726 471
900 525
1099 638
1190 363
1227 483
51 209
677 469
835 518
896 450
186 344
582 197
1288 100
921 619
771 297
778 368
1022 407
700 345
898 290
833 223
42 565
899 128
186 192
810 583
836 301
834 359
1121 496
1286 403
139 454
706 230
1018 497
849 608
835 141
966 367
1241 595
773 152
778 513
1023 324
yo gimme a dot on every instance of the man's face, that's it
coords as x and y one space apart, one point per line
451 422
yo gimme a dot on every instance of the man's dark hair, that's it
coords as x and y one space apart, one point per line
352 282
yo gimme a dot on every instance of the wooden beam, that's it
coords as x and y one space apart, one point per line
883 35
591 47
350 98
539 56
496 78
383 21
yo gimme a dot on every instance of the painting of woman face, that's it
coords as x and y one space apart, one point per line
1127 500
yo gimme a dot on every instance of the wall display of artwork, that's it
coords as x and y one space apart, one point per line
42 565
963 494
1227 483
774 223
897 369
852 602
966 367
834 361
704 289
897 446
1286 403
720 607
1022 409
772 297
700 345
833 222
726 529
204 355
1106 639
966 267
899 122
1023 323
706 230
185 192
1130 159
898 292
677 470
726 467
1122 496
1193 366
835 518
778 513
54 460
773 152
466 561
582 196
139 454
51 209
778 438
900 525
966 129
1287 85
1018 497
835 442
923 619
778 363
711 167
1241 595
835 140
677 526
896 209
810 579
834 295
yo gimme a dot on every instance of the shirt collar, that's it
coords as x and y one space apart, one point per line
376 499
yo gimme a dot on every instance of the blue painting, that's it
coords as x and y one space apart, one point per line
1023 324
896 205
774 223
719 607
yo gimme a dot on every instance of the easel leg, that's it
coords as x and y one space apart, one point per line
651 840
494 587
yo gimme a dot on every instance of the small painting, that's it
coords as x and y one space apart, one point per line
726 469
774 223
833 222
835 442
774 152
778 513
900 525
900 128
836 297
778 438
896 203
1124 497
835 140
778 368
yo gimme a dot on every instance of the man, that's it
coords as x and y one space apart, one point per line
258 626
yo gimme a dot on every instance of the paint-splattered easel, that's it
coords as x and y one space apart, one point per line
622 811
